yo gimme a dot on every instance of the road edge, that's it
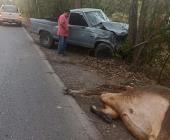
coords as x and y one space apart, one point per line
88 126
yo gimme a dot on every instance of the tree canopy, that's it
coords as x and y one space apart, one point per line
51 8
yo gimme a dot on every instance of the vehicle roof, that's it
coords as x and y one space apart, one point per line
84 10
8 5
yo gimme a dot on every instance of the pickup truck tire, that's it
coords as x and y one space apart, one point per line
46 40
104 51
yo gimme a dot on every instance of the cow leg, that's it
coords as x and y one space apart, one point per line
107 113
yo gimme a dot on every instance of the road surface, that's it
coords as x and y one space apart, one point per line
32 105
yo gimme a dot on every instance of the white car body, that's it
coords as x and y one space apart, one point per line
10 14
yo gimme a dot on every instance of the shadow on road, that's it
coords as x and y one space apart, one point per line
10 25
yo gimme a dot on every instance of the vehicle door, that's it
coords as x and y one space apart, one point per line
80 33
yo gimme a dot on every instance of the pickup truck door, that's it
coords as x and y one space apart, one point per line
80 33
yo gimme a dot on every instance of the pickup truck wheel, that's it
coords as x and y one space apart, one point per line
46 40
104 51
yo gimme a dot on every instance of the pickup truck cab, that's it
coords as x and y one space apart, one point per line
88 27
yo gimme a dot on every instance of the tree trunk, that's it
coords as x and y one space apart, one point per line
141 32
133 17
77 3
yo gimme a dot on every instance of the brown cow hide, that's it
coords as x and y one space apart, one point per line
165 130
144 112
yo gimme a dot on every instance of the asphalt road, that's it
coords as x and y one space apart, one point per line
32 105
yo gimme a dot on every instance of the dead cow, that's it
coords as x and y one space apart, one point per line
142 111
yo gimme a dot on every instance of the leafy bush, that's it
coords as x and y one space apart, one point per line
126 52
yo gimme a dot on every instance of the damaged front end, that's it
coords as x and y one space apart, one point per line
119 30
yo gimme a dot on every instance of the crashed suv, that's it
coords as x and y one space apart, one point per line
89 28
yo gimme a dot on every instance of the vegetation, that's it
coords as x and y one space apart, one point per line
149 34
51 8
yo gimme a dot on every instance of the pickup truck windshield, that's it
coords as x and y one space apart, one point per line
96 17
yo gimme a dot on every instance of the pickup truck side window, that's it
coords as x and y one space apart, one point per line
77 19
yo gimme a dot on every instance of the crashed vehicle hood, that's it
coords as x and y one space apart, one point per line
120 29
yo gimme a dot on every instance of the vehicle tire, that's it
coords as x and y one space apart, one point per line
1 23
46 40
104 51
19 24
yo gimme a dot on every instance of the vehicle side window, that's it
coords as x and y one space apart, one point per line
77 19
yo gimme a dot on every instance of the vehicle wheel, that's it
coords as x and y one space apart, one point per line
104 51
1 23
46 40
19 24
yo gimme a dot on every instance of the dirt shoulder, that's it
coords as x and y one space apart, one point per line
79 71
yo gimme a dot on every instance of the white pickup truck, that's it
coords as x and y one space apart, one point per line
10 14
